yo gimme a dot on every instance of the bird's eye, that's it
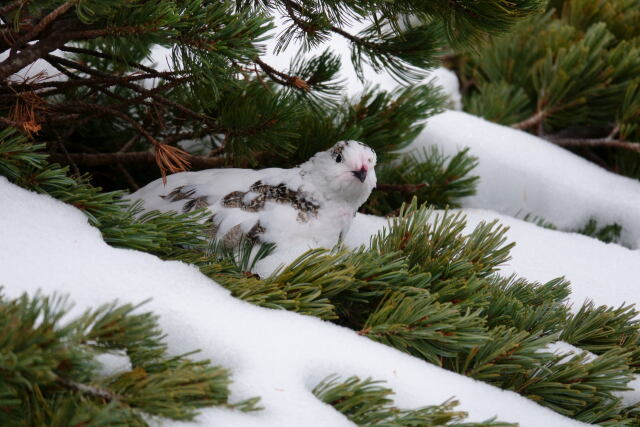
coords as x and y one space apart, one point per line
338 158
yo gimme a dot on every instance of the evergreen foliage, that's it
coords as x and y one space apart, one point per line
367 403
218 103
162 234
426 288
426 285
442 180
51 376
575 83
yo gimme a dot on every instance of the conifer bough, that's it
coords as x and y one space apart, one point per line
575 84
105 107
422 286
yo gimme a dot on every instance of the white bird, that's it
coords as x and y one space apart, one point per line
311 205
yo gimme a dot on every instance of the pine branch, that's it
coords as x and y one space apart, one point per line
30 54
532 121
594 142
152 72
145 93
90 390
12 6
100 159
44 23
283 78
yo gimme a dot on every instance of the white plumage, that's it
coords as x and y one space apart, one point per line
312 204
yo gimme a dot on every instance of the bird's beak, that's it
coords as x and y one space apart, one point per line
361 174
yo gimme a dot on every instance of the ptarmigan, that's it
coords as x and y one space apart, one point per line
312 204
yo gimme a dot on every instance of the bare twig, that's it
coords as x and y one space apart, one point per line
101 159
103 55
90 390
44 23
283 78
145 92
595 142
534 120
10 122
127 176
101 32
69 159
11 7
614 132
310 29
82 107
61 86
128 144
29 55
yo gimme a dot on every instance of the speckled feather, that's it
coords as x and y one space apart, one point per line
312 204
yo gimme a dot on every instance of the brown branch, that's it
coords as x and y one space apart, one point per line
27 56
61 85
101 32
145 92
283 78
101 159
80 107
127 145
11 7
534 120
90 390
595 142
400 188
127 176
44 23
308 28
103 55
69 159
10 122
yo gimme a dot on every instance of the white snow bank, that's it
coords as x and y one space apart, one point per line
522 174
277 355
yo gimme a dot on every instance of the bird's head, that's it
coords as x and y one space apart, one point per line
345 172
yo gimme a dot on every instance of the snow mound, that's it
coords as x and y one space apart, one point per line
522 174
277 355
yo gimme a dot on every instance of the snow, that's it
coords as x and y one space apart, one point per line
280 356
569 351
112 363
631 397
277 355
522 174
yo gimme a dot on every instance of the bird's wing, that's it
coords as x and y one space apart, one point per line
242 201
187 191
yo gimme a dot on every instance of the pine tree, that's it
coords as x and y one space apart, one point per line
575 83
51 374
109 114
423 286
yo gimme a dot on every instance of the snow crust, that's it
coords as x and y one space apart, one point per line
522 174
277 355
